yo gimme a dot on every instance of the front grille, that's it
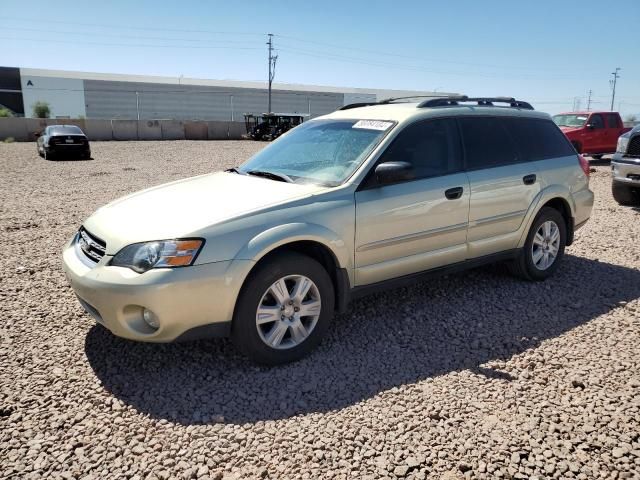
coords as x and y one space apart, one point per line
92 247
633 149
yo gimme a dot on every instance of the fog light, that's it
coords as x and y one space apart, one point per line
150 318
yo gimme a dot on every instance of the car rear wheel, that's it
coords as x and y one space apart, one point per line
284 309
624 194
544 247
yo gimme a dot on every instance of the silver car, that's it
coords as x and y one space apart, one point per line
625 169
366 197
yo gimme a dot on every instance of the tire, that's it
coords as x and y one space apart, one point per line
47 155
624 194
284 331
526 266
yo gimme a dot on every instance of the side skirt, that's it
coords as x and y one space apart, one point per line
405 280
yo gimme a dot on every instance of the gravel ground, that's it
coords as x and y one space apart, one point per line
474 375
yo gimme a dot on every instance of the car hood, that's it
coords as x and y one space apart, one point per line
178 209
566 130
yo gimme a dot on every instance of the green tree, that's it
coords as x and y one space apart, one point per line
5 113
41 110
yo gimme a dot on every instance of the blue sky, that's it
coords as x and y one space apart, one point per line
546 52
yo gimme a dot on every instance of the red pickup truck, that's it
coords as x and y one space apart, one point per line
592 133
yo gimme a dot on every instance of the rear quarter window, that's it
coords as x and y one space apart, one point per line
487 143
538 139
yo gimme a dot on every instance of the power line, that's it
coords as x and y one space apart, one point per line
131 44
118 35
350 59
413 57
51 21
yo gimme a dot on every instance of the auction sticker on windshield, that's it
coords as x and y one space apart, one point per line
372 124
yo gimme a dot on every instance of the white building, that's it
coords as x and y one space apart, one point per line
117 96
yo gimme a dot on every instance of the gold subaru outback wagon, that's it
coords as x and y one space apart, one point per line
371 195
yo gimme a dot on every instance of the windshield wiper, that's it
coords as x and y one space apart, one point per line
235 170
270 175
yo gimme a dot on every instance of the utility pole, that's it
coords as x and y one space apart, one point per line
272 67
589 101
613 84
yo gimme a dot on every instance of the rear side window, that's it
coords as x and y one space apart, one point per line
431 147
612 120
487 143
538 139
596 121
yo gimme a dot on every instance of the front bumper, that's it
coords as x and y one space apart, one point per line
184 300
625 169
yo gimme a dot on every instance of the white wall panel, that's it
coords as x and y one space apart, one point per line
65 96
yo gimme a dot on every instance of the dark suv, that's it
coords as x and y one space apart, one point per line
63 141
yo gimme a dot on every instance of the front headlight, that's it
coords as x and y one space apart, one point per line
623 141
141 257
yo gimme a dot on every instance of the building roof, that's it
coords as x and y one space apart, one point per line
181 80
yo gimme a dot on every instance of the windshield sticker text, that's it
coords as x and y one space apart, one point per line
372 125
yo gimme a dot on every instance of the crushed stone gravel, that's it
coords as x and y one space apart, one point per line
474 375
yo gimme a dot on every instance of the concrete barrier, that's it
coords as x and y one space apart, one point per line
149 130
172 129
196 131
12 129
25 129
124 129
98 129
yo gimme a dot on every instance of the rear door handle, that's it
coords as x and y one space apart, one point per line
529 179
453 193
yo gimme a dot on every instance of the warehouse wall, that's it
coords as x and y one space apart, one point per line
106 99
65 96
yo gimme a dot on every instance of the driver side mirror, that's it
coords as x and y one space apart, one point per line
393 172
590 126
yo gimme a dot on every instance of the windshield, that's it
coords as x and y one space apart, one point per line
320 151
570 120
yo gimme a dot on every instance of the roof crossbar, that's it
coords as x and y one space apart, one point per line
481 101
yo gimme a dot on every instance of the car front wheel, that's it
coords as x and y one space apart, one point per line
284 309
544 247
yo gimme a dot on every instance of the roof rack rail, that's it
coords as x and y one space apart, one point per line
454 100
357 105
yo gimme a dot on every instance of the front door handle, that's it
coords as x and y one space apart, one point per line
453 193
529 179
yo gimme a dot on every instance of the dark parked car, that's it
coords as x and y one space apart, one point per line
63 141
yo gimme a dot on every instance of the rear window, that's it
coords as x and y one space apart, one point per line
538 139
612 120
65 130
487 143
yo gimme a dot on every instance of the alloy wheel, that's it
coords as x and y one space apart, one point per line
545 246
288 312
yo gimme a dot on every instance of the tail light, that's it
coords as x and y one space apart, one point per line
584 165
